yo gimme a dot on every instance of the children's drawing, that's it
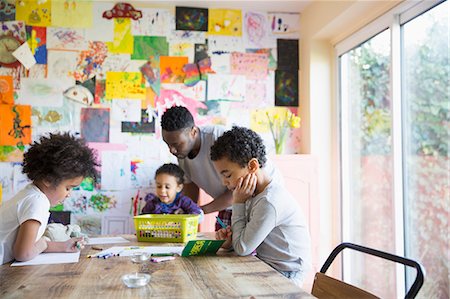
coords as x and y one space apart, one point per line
285 25
191 18
101 202
72 13
225 22
200 52
182 49
221 44
116 172
251 65
145 125
35 13
10 153
184 36
61 64
90 61
6 90
150 71
90 225
66 39
126 110
102 30
76 203
6 180
172 69
15 125
122 85
197 71
114 63
287 54
196 92
123 10
7 10
37 40
123 41
256 31
43 92
270 52
95 124
79 94
226 87
146 46
286 88
154 22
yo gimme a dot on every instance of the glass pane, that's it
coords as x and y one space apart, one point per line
426 137
365 85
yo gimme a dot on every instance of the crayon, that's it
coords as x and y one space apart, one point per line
221 222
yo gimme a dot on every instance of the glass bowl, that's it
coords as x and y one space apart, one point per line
136 280
139 257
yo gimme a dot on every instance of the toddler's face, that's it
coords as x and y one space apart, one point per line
57 194
167 187
230 172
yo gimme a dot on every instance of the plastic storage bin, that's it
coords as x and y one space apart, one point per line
166 227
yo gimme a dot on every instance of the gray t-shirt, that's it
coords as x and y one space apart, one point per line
201 171
272 223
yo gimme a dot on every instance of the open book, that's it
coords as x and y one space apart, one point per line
202 247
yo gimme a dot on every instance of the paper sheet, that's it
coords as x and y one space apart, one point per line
129 250
51 258
107 240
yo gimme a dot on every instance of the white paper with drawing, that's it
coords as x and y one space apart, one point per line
116 173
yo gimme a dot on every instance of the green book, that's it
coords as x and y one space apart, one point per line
202 247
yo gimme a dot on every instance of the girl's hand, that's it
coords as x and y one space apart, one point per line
245 188
225 234
74 244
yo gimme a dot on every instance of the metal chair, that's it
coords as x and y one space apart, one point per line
328 287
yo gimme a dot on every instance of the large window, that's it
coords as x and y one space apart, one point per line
395 122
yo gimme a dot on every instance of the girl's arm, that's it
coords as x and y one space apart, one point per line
25 247
71 245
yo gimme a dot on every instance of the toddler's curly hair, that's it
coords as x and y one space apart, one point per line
58 157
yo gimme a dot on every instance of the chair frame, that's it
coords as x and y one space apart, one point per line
418 282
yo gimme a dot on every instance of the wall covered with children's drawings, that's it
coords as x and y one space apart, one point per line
107 71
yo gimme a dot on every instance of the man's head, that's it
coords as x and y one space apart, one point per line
179 131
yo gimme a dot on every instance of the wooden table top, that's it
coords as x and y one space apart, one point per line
223 276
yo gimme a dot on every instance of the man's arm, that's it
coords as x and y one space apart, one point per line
218 204
191 190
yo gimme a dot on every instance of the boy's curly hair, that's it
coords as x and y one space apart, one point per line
59 157
173 170
177 118
239 145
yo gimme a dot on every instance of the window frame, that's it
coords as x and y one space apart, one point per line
392 21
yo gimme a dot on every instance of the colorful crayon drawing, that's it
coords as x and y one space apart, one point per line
146 46
90 61
35 13
122 85
95 124
15 125
191 18
286 88
101 203
197 71
11 153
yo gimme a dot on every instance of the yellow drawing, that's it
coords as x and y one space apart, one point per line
125 85
123 39
34 12
225 22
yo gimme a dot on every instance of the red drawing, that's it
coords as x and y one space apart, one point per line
123 10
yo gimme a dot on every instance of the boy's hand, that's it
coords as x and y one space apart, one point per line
225 234
74 244
245 188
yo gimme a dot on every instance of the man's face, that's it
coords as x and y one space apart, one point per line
180 142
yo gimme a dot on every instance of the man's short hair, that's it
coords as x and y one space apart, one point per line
177 118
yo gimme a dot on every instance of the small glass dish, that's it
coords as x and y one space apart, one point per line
139 257
136 280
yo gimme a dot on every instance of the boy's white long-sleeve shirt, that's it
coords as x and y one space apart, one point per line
273 224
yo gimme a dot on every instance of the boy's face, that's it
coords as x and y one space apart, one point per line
230 172
167 187
57 194
180 142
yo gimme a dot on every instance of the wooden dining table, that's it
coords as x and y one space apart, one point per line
224 275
